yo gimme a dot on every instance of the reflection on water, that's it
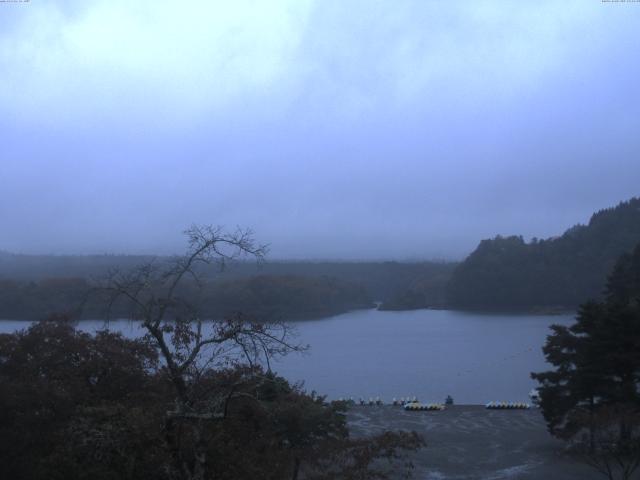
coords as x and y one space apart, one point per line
473 357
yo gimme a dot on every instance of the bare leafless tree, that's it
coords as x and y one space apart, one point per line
612 444
190 345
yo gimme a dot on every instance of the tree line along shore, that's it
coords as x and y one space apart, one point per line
505 273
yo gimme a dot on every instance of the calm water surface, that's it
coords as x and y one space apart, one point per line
473 357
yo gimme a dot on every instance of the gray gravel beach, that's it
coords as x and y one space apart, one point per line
470 442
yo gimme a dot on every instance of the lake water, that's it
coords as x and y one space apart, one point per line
473 357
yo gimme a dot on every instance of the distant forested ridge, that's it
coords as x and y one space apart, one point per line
34 286
288 297
423 291
508 272
383 280
262 297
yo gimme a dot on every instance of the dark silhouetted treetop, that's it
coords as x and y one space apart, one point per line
508 272
597 359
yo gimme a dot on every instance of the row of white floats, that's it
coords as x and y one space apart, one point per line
508 406
376 401
362 401
417 406
412 404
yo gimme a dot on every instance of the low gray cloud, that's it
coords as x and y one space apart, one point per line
334 129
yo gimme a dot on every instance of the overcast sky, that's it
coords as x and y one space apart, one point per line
333 128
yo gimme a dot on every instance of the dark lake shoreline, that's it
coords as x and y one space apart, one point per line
318 316
543 310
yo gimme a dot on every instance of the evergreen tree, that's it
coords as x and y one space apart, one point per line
508 272
596 360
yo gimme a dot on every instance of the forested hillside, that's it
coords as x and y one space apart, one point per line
508 272
424 291
262 297
32 286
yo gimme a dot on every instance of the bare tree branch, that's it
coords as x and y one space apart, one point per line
152 294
